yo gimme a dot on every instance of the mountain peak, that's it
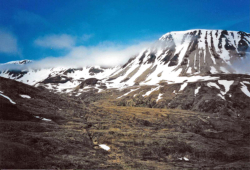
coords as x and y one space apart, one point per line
19 62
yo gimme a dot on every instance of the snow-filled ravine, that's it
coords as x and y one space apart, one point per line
11 101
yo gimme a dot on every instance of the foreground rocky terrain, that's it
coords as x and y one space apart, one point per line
50 130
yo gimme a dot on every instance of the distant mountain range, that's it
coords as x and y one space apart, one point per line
176 57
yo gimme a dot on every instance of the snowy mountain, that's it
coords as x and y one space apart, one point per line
19 62
57 78
177 57
185 54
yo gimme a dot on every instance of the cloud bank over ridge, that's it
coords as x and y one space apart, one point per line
103 54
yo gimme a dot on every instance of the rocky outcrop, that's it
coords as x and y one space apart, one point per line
56 79
88 82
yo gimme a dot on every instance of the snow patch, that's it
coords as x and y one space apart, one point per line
221 96
189 71
99 90
213 70
211 84
226 84
184 158
246 82
25 96
42 118
149 92
196 91
159 97
183 86
105 147
245 90
11 101
78 94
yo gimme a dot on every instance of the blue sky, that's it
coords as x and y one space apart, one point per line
36 29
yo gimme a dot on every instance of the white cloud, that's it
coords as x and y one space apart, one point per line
56 41
104 54
8 43
242 66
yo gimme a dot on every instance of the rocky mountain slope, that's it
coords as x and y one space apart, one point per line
185 54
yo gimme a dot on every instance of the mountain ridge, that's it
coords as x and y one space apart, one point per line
176 57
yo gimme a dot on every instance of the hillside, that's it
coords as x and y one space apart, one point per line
37 130
41 130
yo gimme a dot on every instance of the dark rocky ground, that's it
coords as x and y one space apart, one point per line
149 135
